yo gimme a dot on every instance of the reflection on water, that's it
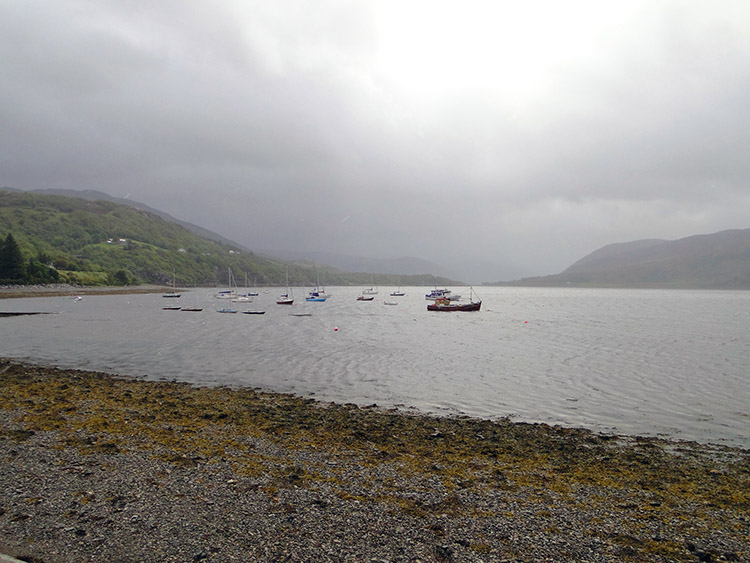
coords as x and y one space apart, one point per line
631 361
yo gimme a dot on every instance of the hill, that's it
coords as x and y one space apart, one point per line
422 269
97 242
715 261
94 195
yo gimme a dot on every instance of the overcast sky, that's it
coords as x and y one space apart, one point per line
500 139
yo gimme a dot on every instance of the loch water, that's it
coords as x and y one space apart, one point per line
641 362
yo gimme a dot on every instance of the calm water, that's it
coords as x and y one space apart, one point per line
672 363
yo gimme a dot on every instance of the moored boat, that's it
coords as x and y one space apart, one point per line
318 293
445 304
286 298
444 293
172 294
398 292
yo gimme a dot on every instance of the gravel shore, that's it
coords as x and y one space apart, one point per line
97 467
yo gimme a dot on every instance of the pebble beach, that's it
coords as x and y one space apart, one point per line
104 468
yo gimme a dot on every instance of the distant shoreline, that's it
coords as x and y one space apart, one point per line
57 290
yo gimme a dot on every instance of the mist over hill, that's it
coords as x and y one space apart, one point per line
404 266
98 240
714 261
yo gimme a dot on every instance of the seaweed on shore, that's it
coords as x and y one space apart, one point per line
645 480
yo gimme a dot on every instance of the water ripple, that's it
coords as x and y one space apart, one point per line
642 362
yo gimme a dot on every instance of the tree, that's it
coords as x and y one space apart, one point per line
121 277
12 265
37 272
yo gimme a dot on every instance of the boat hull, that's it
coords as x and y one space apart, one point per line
474 306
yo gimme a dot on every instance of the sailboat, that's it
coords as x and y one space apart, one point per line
286 298
195 308
369 293
398 292
317 293
245 297
250 293
172 293
230 293
372 290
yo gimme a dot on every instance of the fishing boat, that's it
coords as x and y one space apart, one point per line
444 293
286 298
445 304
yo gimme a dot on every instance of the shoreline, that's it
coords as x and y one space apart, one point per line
64 290
109 467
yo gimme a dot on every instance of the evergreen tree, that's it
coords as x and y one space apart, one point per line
12 265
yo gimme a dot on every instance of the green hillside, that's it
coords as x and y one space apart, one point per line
104 243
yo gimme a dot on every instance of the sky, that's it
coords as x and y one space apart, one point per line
501 139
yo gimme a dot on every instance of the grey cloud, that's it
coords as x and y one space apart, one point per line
270 123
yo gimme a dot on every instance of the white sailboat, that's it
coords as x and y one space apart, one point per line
372 290
230 293
398 292
244 297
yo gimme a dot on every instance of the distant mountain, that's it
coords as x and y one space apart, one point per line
716 261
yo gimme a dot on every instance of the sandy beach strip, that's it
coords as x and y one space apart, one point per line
97 467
